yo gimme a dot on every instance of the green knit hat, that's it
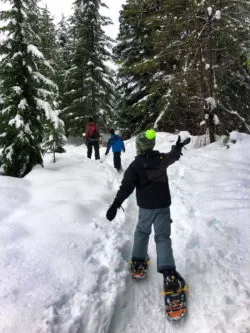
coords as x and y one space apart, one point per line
145 141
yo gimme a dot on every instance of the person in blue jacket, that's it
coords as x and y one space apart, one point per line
117 145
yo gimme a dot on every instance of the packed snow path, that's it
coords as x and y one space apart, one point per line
211 212
65 267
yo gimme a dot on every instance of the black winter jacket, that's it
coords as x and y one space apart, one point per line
147 173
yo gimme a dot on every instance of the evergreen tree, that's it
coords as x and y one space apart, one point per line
134 53
64 49
90 84
54 135
230 50
54 138
64 43
209 41
25 91
181 61
47 34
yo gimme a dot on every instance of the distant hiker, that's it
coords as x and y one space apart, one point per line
92 135
147 173
117 145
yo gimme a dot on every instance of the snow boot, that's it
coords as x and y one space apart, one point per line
175 294
138 269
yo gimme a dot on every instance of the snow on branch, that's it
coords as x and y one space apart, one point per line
23 104
143 99
50 114
17 54
209 11
45 93
158 119
162 113
47 64
45 80
17 121
217 15
45 106
211 103
235 113
6 110
34 51
18 90
57 121
9 150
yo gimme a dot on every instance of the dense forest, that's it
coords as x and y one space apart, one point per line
180 65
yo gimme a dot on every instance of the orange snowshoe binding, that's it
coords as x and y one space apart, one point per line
175 295
138 269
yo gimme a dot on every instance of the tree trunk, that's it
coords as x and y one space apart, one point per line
211 124
211 127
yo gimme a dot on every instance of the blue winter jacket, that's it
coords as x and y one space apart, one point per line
116 143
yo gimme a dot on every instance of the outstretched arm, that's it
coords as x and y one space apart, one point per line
175 153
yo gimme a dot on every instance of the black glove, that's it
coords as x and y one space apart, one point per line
106 153
179 145
111 212
186 142
123 150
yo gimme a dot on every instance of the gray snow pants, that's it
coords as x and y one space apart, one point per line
161 220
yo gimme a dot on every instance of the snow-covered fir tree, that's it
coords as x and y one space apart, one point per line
47 34
54 138
231 76
134 53
193 55
27 93
90 85
54 134
64 50
170 25
208 40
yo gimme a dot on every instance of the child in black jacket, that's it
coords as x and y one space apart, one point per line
147 173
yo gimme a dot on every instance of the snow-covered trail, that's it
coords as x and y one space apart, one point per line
65 269
61 262
211 250
213 185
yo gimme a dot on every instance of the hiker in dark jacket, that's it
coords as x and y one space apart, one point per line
147 173
117 145
92 135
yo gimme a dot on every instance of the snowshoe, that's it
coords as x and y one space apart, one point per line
138 269
175 295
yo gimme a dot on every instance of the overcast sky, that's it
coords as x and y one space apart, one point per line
59 7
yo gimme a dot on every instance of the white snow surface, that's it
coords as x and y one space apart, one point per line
65 268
